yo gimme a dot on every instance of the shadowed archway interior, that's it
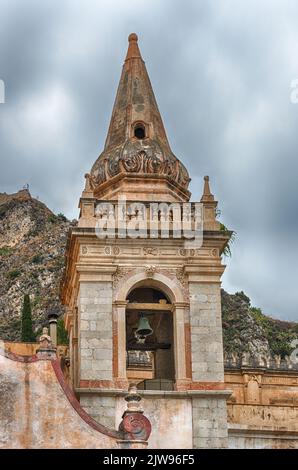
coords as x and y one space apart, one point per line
150 362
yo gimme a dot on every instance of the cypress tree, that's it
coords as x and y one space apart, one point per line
27 330
62 335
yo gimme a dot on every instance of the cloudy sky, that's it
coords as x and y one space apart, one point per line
221 71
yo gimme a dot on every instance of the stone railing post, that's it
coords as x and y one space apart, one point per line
46 349
135 427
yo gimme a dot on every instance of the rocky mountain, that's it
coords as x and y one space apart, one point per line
32 247
247 329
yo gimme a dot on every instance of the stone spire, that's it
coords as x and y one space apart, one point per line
136 142
207 195
209 207
135 102
133 50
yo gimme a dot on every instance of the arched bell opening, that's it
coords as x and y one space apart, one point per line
150 360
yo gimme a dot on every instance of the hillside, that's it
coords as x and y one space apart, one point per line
32 244
247 329
32 247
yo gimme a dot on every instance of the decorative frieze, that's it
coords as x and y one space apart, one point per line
132 251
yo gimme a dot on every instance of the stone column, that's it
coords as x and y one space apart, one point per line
95 348
53 317
179 341
209 403
120 338
209 419
206 331
95 331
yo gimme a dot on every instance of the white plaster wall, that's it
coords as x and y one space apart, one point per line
171 420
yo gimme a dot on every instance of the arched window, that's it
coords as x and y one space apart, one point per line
149 339
139 131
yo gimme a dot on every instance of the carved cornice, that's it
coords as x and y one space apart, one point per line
176 274
133 158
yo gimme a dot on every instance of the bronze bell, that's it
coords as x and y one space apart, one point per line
144 329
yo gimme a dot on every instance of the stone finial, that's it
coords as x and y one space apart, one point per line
133 399
46 349
134 425
88 191
209 208
207 195
87 182
45 340
133 51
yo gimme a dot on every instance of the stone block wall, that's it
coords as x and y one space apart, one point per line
209 419
206 332
170 417
95 331
100 408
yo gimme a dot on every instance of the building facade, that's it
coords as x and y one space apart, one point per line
168 282
143 312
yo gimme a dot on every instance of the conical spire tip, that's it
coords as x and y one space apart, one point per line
133 51
133 37
207 195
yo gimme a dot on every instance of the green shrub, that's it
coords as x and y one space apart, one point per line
37 300
61 217
52 219
5 251
60 262
13 274
227 249
279 334
36 259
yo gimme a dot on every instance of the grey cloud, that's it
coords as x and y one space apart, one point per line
221 72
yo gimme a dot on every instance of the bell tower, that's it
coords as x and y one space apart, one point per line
142 280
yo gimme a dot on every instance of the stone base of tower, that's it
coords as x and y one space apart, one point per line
201 416
101 408
209 420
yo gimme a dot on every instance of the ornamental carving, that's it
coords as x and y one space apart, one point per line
175 274
132 157
180 274
150 270
116 250
149 250
135 427
119 275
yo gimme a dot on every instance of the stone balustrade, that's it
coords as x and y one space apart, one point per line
260 361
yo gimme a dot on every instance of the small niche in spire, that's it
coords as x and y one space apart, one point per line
139 131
